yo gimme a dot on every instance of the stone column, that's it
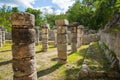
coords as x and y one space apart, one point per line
55 35
23 48
3 35
45 28
37 36
74 26
80 32
0 38
62 40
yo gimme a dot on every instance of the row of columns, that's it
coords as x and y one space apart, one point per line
24 37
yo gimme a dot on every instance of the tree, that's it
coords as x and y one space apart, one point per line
50 18
5 12
15 9
37 14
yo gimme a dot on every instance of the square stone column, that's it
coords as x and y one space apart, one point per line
74 26
0 38
3 35
80 33
62 40
37 36
55 35
23 48
45 28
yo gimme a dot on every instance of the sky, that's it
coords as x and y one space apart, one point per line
50 6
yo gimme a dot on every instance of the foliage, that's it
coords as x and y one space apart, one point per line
93 14
37 14
5 17
50 18
15 9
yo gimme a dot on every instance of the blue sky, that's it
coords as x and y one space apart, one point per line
50 6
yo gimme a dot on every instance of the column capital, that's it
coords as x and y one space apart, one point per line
62 22
74 24
22 20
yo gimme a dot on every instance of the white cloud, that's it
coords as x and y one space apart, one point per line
49 10
23 3
64 4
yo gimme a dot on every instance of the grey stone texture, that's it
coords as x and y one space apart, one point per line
23 48
0 38
45 28
62 40
37 36
74 26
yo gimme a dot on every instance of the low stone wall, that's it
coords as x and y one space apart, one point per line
112 40
90 38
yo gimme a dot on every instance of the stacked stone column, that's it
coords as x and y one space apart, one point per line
62 40
74 26
0 38
80 32
37 36
23 48
3 35
45 28
55 35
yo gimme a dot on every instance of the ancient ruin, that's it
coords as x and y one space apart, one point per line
45 28
23 48
62 40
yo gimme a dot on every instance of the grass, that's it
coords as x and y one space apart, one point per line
96 60
47 66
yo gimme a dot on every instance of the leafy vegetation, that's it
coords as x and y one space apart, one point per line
93 14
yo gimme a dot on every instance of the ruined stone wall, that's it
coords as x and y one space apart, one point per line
90 38
112 40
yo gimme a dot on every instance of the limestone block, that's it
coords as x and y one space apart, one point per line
24 50
44 31
74 29
62 39
44 36
23 67
62 30
22 20
62 48
23 35
61 22
31 76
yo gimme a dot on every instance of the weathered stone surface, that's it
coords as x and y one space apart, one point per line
61 22
0 38
62 40
45 28
62 30
55 37
23 50
25 67
74 26
22 20
32 76
37 36
23 35
3 37
62 47
74 47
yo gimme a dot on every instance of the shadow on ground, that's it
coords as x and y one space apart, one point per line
5 51
48 70
5 62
